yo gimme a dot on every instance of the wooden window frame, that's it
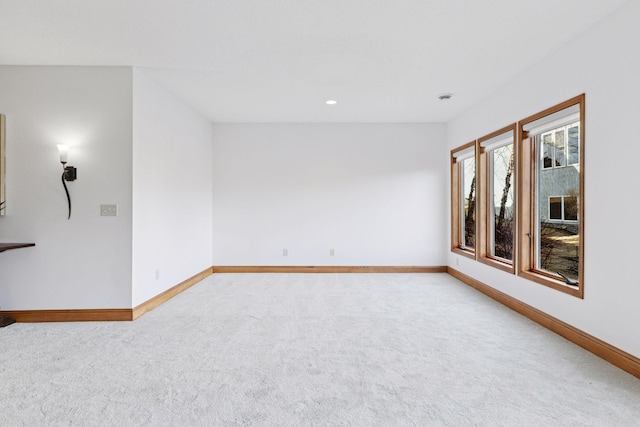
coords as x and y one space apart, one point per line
527 216
485 173
456 208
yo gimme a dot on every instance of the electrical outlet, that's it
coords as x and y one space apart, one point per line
108 210
285 252
157 274
332 252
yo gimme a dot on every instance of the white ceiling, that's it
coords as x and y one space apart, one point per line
279 60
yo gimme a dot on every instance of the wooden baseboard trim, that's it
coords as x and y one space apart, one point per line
611 354
328 269
82 315
106 314
160 299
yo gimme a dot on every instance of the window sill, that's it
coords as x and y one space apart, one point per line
496 263
464 252
558 285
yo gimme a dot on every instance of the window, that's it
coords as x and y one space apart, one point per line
573 135
555 207
551 206
532 225
463 200
563 208
560 147
497 198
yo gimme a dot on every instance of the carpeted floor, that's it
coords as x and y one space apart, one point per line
311 349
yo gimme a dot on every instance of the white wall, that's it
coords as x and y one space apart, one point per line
604 64
84 262
172 189
372 192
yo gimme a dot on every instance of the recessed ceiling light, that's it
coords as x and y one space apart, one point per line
331 102
445 96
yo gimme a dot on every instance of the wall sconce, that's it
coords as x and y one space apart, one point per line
69 173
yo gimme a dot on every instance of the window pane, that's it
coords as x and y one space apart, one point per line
547 151
571 208
558 239
469 203
555 208
502 206
560 149
574 144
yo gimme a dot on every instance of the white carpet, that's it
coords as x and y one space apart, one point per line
311 349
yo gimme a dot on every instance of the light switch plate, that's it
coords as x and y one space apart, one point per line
108 210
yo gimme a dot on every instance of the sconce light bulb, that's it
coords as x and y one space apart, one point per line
64 152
